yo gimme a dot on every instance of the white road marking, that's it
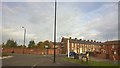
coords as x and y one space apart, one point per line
6 57
33 66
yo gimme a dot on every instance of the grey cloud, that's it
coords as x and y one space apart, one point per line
107 25
38 18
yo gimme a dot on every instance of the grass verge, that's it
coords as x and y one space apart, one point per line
4 54
90 63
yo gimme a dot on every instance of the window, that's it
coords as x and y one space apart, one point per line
113 46
115 52
72 48
72 45
75 45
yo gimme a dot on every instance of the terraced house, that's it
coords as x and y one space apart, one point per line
79 45
111 49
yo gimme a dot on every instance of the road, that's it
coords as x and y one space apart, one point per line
35 60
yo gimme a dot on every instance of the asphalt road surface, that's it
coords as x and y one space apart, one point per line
35 60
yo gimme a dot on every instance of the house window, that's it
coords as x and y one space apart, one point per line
86 45
113 46
83 45
72 48
72 45
89 46
75 46
115 52
80 45
104 51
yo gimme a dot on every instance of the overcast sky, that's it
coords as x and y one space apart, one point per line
85 20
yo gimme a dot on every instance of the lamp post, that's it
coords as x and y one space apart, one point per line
54 32
46 47
24 38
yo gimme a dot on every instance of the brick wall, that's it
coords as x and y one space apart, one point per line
102 56
29 51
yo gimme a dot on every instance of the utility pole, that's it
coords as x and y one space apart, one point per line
55 32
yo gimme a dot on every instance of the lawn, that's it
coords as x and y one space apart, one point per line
90 62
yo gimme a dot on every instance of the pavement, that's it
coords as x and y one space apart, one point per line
35 60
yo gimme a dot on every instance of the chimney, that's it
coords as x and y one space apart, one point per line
80 39
75 38
88 40
94 41
91 40
69 37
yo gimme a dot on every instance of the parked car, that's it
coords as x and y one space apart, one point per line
73 55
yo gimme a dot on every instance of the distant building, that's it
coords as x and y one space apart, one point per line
79 45
58 47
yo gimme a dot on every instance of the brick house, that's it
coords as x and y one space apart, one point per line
58 47
79 45
111 49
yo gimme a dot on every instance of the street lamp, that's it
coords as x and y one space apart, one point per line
24 38
54 32
46 47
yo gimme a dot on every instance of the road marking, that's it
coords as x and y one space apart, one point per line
33 66
6 57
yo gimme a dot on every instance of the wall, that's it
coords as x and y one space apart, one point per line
29 51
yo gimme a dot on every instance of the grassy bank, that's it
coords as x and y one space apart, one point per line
90 63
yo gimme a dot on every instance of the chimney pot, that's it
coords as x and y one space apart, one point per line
75 38
94 41
88 40
91 40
